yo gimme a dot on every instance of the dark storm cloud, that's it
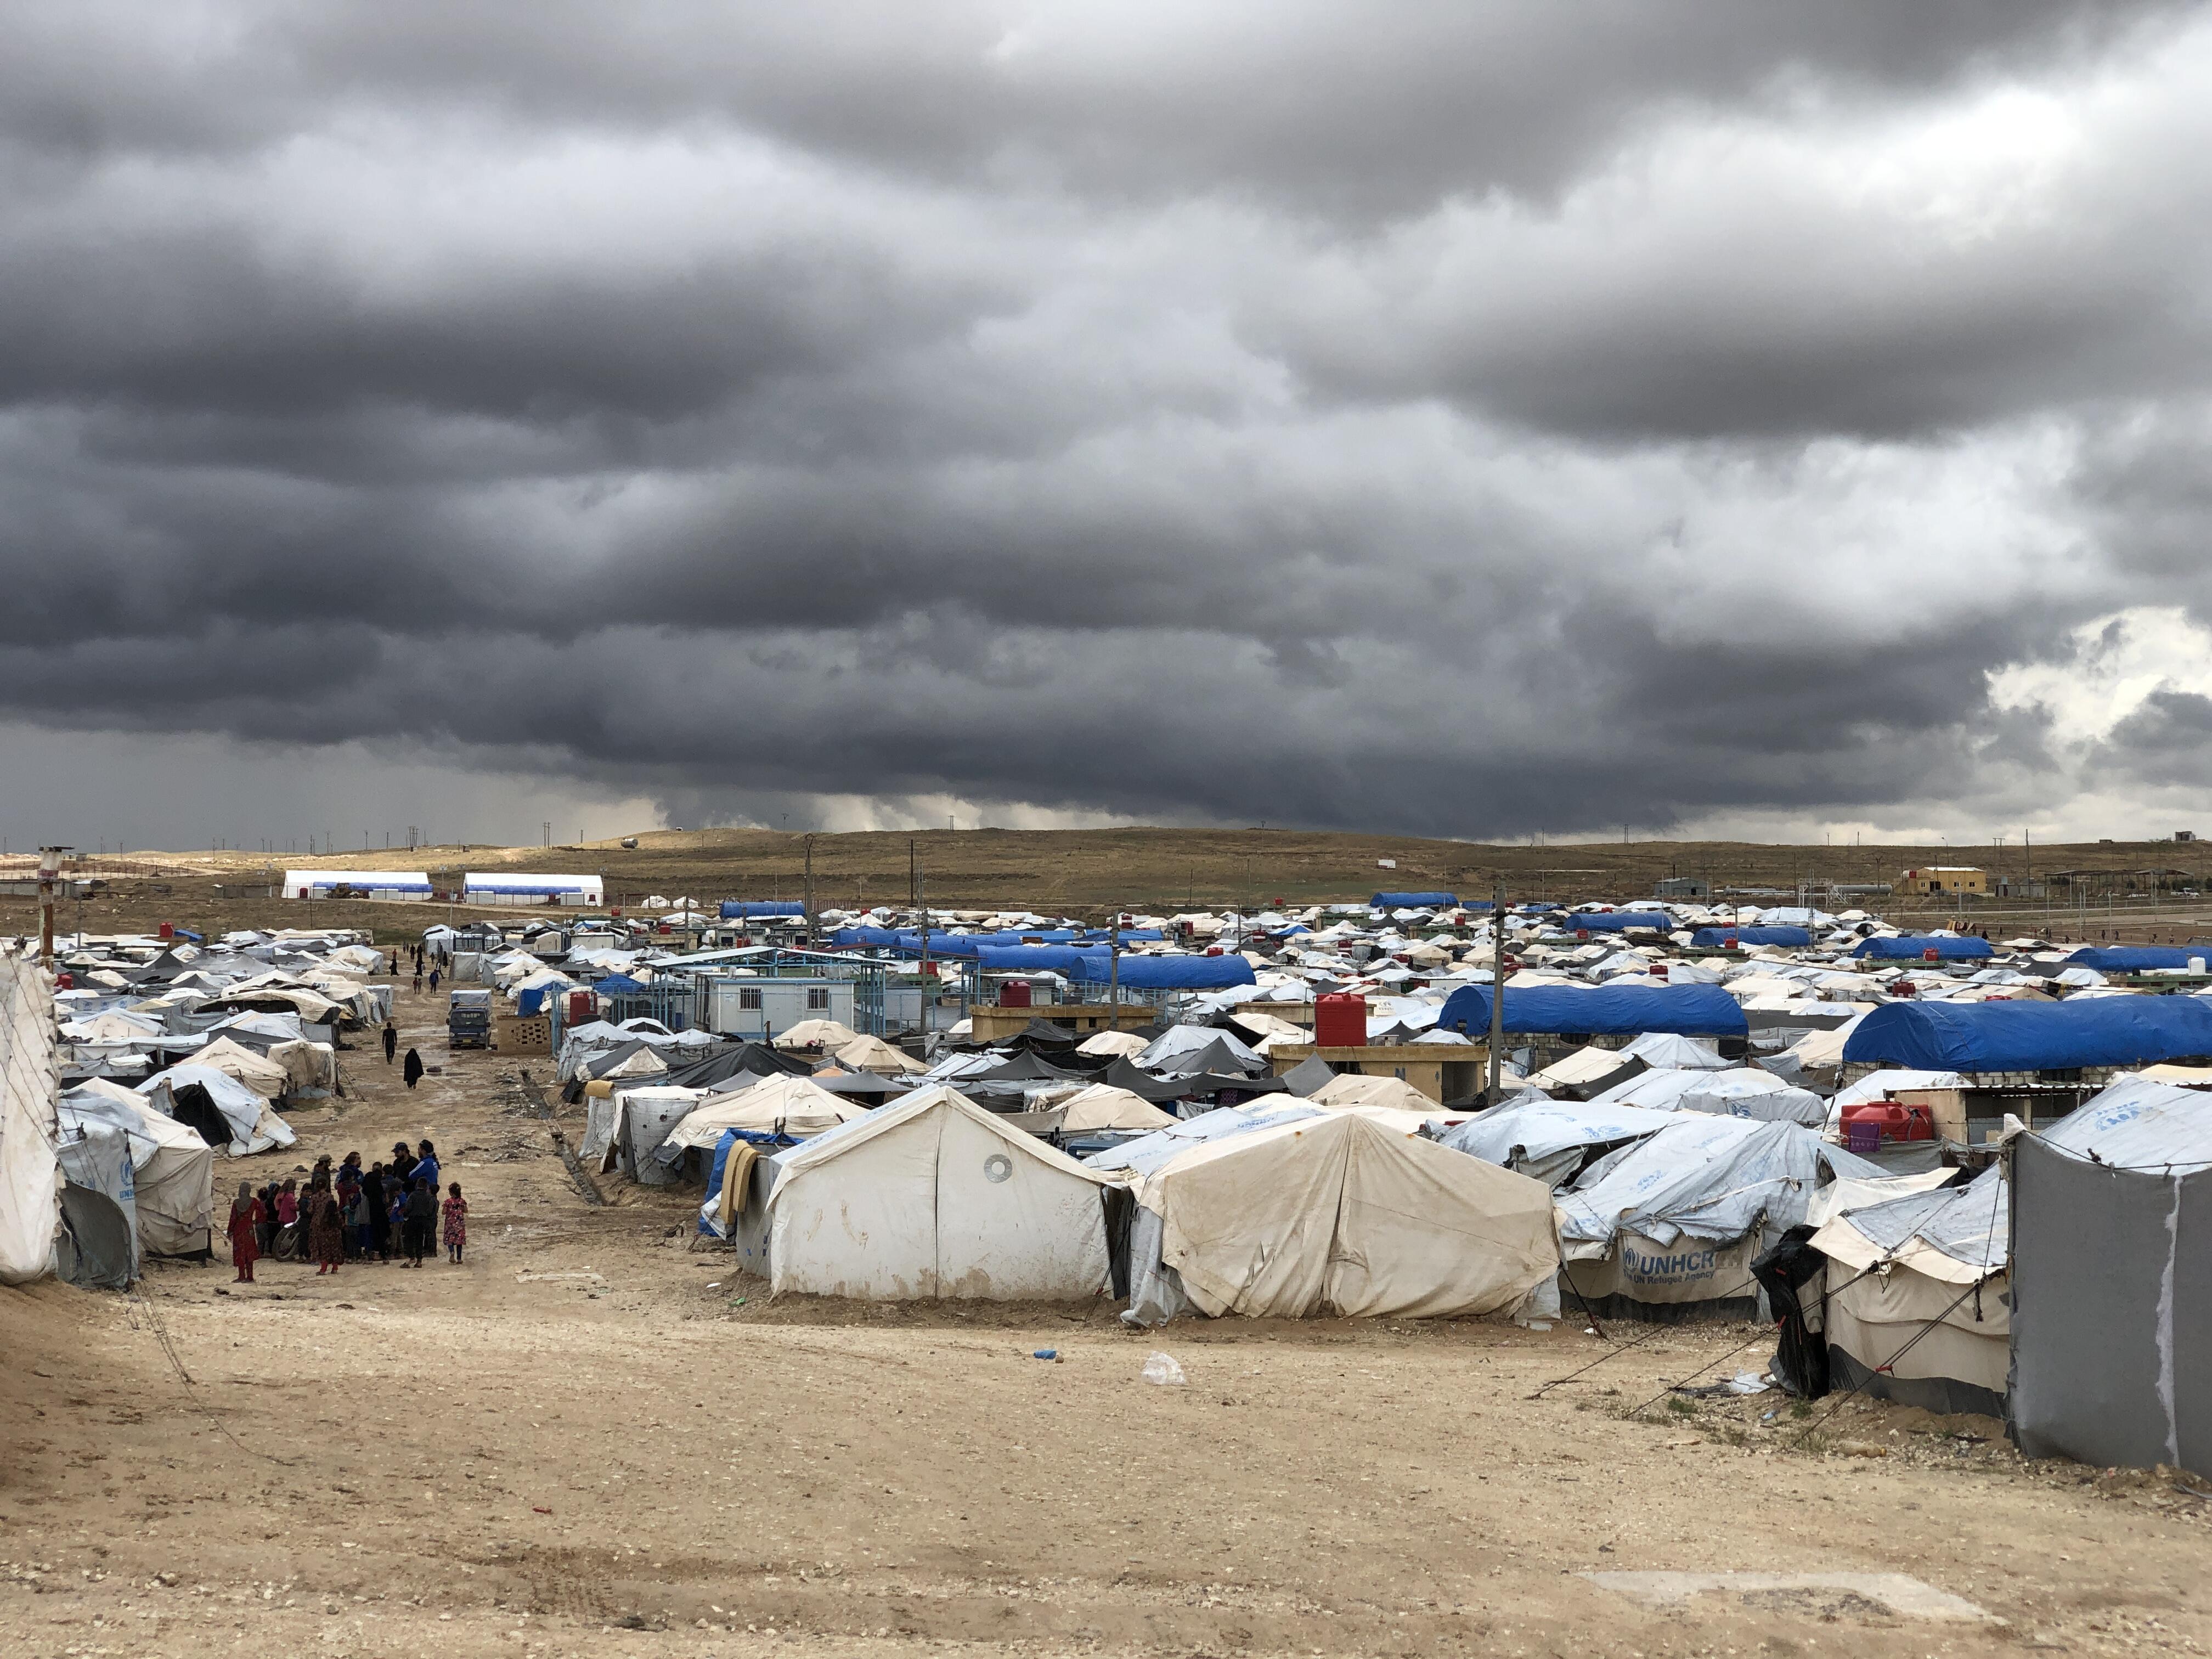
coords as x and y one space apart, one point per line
1495 417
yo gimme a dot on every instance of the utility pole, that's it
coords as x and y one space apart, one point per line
921 898
1113 974
50 864
810 888
1497 990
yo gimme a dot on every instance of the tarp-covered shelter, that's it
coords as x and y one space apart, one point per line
224 1112
172 1167
1436 901
1331 1213
1918 1306
1548 1140
2033 1037
1670 1224
1918 947
1599 1011
30 1083
1715 938
2138 958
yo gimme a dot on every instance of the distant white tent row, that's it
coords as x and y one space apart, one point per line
517 887
358 883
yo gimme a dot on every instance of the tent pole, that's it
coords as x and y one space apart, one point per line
1496 988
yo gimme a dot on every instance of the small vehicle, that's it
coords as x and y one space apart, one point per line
468 1020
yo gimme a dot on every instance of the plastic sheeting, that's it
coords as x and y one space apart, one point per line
2136 958
1708 1179
254 1124
1169 973
1414 901
1600 1010
1714 938
30 1084
1548 1140
2033 1037
742 910
1915 947
173 1169
1613 921
95 1156
2138 1124
1757 1094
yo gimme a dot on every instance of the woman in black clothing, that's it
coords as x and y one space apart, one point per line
411 1070
380 1211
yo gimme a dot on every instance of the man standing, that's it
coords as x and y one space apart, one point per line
390 1041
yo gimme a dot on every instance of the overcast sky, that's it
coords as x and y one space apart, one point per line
1712 416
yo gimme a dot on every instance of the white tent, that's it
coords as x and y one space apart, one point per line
1125 1043
1352 1089
644 1118
872 1053
829 1034
1335 1214
932 1196
266 1077
252 1123
30 1178
172 1168
798 1106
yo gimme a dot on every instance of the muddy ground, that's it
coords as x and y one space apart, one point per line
591 1437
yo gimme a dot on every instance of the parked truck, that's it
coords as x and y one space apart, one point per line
468 1020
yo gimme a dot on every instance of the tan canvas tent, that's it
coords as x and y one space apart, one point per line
266 1077
799 1106
1336 1214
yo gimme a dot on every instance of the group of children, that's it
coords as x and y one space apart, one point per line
350 1213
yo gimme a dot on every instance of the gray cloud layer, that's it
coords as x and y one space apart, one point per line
1465 419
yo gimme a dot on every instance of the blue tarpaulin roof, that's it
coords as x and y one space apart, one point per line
1712 938
1033 958
737 909
1915 947
1600 1010
2134 958
1613 921
618 985
1169 973
1414 901
2033 1037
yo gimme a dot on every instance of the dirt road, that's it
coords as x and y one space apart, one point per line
590 1437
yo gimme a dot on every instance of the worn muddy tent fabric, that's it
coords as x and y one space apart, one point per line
1600 1010
1919 1307
1672 1224
95 1162
2136 958
643 1119
1915 947
1338 1215
30 1084
172 1172
224 1112
1750 1092
723 1067
2033 1037
1550 1141
2112 1308
267 1078
1714 939
932 1196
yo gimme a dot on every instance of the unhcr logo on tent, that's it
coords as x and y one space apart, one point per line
1685 1264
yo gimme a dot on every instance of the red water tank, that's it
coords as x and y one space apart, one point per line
1213 949
1728 943
583 1008
1658 970
1582 933
1014 994
168 930
1931 954
1340 1021
65 981
1895 1121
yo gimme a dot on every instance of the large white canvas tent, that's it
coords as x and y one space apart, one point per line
267 1078
931 1196
1331 1213
30 1084
796 1106
172 1167
1551 1140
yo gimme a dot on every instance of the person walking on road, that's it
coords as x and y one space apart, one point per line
433 981
412 1069
246 1214
390 1041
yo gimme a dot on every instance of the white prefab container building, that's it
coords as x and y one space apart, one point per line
517 887
768 1008
359 884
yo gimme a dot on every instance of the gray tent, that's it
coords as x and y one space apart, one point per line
100 1212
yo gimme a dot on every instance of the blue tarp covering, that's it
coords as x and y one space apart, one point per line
532 1000
738 909
1033 958
2033 1037
1915 947
1602 1011
618 985
1612 921
1168 973
1712 938
2135 958
1414 902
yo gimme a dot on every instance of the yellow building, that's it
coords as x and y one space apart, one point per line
1946 879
